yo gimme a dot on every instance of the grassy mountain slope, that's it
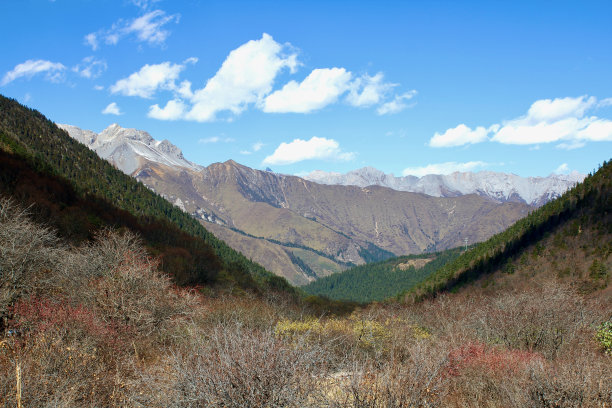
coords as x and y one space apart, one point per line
219 193
381 280
345 223
298 265
570 237
83 180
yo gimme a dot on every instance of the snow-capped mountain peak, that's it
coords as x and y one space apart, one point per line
500 187
128 148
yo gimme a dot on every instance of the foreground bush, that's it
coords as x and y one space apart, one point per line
231 366
99 325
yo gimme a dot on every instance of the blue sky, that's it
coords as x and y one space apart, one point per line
406 87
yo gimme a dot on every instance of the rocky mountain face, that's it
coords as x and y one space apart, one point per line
297 228
129 149
500 187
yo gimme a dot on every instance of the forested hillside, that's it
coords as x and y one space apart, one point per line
78 193
381 280
568 237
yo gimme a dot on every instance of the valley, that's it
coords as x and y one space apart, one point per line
322 204
319 228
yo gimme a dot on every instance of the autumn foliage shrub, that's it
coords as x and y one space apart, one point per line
40 316
498 362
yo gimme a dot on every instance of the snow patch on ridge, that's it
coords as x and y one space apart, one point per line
128 149
500 187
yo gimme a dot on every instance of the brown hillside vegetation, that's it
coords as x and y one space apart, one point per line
344 224
569 238
98 325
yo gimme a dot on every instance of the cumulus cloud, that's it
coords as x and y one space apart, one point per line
562 120
459 136
245 77
149 79
173 110
148 28
320 88
443 168
557 120
90 67
396 105
112 109
299 150
368 90
52 70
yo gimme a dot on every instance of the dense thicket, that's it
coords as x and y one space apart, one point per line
380 280
99 325
78 192
587 206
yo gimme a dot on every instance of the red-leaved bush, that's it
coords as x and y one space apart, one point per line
494 360
37 316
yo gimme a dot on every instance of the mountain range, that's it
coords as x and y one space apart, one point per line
500 187
303 230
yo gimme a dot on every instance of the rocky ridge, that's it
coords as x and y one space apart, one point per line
501 187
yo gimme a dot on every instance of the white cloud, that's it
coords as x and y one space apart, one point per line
98 87
458 136
112 109
216 139
245 77
144 4
571 145
549 110
148 80
319 89
191 60
605 102
557 120
52 70
562 169
173 110
91 39
398 103
146 28
257 146
443 168
300 150
368 90
562 120
90 67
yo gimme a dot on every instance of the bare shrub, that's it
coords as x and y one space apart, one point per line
546 320
416 381
236 367
27 250
580 379
123 285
